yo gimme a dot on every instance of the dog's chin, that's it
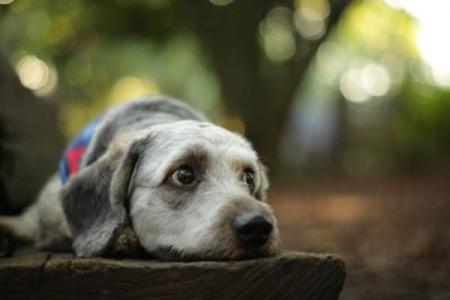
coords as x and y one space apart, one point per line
169 254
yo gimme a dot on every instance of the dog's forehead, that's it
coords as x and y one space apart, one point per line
173 142
190 132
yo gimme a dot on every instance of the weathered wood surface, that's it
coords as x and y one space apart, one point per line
291 275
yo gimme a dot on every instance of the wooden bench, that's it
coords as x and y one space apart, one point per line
291 275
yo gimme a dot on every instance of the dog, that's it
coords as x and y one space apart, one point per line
154 176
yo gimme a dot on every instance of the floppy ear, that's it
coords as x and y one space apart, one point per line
260 194
95 200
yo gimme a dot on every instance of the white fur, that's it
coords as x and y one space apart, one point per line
199 223
198 227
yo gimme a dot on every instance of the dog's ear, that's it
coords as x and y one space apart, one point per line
260 193
95 200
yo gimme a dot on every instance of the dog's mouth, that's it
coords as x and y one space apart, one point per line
169 254
228 248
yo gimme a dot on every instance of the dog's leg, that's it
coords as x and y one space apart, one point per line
22 227
43 223
15 229
52 230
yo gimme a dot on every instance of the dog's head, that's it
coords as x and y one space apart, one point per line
189 190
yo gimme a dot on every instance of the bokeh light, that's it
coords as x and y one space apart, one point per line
375 79
310 18
131 87
351 87
329 62
432 31
6 2
362 81
277 36
36 75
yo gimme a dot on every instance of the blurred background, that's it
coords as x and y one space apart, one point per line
347 101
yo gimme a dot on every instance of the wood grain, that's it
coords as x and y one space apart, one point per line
291 275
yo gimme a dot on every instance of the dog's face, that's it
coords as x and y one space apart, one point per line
189 190
198 191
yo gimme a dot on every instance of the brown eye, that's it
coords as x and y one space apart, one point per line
248 176
184 176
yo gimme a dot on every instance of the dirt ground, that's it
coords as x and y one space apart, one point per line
393 233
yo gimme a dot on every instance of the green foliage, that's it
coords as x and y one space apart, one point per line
94 45
422 127
105 51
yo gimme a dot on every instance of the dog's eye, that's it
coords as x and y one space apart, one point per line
184 176
248 176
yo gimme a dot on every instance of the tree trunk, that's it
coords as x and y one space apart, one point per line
261 96
30 137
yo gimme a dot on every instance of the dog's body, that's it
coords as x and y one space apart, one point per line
156 175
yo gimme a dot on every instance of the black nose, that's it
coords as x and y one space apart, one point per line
252 230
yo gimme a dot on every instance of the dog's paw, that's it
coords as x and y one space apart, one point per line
125 245
7 243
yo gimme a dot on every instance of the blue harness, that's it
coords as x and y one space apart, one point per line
70 161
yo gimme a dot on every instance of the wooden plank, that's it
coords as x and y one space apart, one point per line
291 275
